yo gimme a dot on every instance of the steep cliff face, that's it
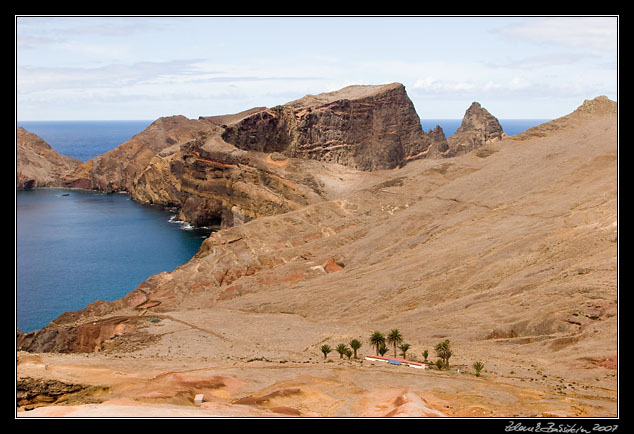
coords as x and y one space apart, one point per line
363 127
478 128
39 165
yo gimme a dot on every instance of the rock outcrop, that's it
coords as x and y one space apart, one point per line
214 183
116 170
39 165
477 129
230 169
363 127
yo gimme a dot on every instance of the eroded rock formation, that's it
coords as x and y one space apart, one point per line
213 182
478 128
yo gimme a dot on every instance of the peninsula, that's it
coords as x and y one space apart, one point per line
340 217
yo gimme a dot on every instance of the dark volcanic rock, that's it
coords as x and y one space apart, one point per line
364 127
478 128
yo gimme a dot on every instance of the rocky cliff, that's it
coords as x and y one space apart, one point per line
230 169
215 183
227 170
37 164
363 127
478 128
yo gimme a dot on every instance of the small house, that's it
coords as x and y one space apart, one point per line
396 361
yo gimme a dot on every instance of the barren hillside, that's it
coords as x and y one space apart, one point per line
509 251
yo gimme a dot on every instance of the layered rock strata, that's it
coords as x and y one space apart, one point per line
214 183
363 127
38 165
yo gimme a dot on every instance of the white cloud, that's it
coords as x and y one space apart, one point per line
549 60
597 34
432 85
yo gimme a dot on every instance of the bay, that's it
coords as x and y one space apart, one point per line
74 247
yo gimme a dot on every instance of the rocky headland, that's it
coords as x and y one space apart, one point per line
37 164
341 216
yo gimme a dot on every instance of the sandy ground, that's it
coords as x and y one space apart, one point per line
237 380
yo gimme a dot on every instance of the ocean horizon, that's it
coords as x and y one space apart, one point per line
84 140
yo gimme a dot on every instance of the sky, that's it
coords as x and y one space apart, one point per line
146 67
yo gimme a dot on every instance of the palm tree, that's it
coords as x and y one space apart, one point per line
478 366
355 345
395 338
443 350
383 349
341 349
348 353
404 348
326 349
377 340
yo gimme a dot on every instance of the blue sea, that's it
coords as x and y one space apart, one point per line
510 126
74 247
84 140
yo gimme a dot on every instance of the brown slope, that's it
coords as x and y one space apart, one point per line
432 236
37 164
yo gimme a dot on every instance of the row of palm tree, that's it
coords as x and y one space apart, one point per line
343 349
395 338
379 342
